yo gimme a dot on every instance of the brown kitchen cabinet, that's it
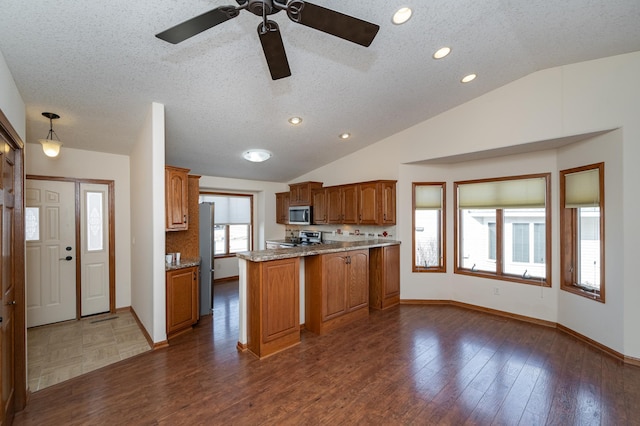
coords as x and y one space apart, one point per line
384 277
176 198
377 203
388 202
342 204
181 299
282 207
319 203
273 306
300 193
336 289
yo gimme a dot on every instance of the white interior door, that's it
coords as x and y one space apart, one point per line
51 256
94 239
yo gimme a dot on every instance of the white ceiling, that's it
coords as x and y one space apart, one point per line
99 66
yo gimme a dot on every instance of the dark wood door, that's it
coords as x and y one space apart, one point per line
8 295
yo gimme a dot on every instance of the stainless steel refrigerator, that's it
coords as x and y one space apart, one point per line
207 253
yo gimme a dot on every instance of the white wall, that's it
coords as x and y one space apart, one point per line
11 103
554 103
148 225
264 212
77 163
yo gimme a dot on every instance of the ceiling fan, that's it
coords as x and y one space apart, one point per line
326 20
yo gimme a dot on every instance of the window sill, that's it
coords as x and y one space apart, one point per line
598 297
511 278
421 269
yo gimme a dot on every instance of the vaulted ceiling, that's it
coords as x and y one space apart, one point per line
99 66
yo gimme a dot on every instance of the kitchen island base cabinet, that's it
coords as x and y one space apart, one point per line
336 290
273 311
384 275
182 300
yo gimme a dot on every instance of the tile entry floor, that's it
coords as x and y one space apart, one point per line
58 352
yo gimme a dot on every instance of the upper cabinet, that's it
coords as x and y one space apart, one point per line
366 203
282 207
319 203
176 198
300 193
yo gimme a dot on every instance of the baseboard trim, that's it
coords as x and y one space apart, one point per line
225 279
603 348
242 347
144 330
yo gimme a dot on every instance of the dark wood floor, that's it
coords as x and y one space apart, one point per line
419 365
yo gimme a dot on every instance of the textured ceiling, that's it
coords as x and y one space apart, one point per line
99 66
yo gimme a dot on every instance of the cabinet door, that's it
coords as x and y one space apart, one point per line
319 206
358 280
368 203
350 204
177 201
334 204
282 208
388 203
280 299
334 286
391 271
182 299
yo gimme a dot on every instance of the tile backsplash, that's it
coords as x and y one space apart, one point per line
345 232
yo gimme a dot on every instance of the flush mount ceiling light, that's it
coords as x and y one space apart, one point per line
51 146
257 155
402 15
442 52
468 78
295 120
344 135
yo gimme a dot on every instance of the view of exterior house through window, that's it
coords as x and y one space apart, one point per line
233 217
428 225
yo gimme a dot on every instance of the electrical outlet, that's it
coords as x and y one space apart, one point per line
496 291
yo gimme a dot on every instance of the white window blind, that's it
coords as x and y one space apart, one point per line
514 193
428 197
582 189
230 210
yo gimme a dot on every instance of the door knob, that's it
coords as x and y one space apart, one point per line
68 258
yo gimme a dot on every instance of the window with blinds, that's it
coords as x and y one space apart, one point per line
502 230
232 222
428 227
582 230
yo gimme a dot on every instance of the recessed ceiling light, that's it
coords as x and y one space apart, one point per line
295 120
345 135
442 52
468 78
257 155
401 16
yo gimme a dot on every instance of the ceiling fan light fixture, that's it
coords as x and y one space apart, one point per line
344 135
468 78
257 155
295 120
51 146
402 15
442 52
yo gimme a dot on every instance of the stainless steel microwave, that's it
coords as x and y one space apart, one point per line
300 215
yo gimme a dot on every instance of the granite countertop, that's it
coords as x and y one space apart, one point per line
301 251
184 263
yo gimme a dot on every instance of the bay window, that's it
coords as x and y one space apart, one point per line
428 227
502 228
582 231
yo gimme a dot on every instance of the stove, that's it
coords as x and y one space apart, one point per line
310 238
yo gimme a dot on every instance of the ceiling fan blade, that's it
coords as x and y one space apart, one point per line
200 23
332 22
274 50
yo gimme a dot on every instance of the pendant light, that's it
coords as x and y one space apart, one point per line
51 146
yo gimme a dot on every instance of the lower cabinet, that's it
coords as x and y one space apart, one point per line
182 299
336 289
273 306
384 275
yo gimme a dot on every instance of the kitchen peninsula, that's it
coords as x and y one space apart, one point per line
323 286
